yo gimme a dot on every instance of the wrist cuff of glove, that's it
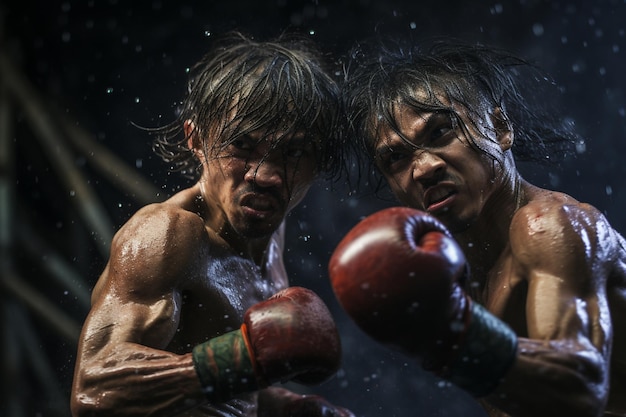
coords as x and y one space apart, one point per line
488 351
224 366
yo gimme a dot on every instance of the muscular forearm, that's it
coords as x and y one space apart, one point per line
140 383
553 378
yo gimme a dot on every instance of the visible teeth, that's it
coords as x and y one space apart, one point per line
260 205
439 195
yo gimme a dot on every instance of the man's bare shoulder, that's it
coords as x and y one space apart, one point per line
162 241
550 209
553 223
161 226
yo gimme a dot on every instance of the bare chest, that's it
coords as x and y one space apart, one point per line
216 300
503 291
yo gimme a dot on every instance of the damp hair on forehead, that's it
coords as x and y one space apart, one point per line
278 88
259 93
464 107
455 77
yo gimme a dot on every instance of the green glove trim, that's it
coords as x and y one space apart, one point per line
489 350
224 367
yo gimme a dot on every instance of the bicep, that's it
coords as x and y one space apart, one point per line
122 367
556 309
564 256
561 366
138 296
122 355
114 320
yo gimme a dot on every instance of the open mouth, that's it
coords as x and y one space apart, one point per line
438 198
259 205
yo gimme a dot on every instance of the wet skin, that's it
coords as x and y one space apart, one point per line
549 266
184 271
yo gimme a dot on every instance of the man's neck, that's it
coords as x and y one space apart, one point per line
485 239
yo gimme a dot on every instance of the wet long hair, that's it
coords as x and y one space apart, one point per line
278 87
383 73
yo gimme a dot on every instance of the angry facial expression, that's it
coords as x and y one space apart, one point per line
446 167
252 182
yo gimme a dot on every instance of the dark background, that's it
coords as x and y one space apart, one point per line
101 66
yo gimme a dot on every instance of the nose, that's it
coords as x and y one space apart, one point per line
264 173
427 166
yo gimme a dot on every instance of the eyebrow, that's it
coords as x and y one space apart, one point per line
386 147
298 139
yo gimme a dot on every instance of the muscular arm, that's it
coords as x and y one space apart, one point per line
122 368
564 253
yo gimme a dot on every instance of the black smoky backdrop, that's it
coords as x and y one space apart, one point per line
76 77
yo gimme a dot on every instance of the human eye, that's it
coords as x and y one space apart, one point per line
391 159
297 148
243 143
440 130
296 151
439 133
239 147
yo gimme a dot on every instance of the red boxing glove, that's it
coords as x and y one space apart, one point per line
293 337
395 272
399 275
290 336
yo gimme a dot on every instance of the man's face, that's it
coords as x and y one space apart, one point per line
435 167
256 180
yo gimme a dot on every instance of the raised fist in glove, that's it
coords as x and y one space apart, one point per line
290 336
399 274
